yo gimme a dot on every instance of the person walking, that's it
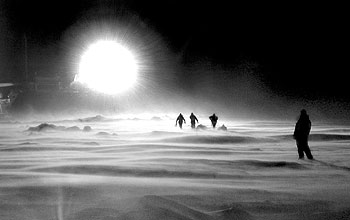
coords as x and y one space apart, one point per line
301 135
193 120
180 119
214 120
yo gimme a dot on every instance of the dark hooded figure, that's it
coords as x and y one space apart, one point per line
214 120
193 120
181 119
301 135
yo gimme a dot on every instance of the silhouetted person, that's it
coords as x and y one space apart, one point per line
181 119
214 120
301 135
193 120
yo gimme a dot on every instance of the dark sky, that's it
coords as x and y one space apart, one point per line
298 49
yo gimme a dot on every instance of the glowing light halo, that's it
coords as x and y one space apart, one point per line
107 67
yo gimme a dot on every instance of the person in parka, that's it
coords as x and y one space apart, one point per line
193 120
180 119
301 135
214 120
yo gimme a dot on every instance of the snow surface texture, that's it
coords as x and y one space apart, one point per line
102 168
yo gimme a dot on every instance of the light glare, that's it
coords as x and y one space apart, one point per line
107 67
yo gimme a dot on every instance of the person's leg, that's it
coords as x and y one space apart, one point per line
301 153
180 125
300 149
308 151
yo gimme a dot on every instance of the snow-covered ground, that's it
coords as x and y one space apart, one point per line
146 168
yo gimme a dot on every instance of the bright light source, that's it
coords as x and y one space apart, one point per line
107 67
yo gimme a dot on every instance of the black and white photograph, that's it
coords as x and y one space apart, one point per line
174 110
